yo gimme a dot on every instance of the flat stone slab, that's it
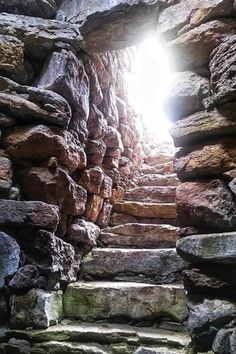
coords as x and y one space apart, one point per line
148 210
140 235
162 265
158 180
102 333
209 248
115 300
151 194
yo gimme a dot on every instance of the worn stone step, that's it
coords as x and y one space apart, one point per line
139 235
160 266
151 194
120 219
158 158
146 209
158 180
161 169
124 301
103 333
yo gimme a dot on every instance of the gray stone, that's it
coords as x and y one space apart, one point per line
162 266
206 317
9 257
67 348
37 8
39 35
100 300
64 73
159 350
210 248
28 214
36 308
26 278
186 95
158 180
224 341
31 105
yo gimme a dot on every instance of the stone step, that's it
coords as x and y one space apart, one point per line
120 219
161 169
151 194
158 180
106 335
158 158
160 266
121 301
139 235
146 210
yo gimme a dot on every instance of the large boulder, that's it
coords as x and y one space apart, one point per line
36 308
37 143
9 257
64 73
37 8
209 204
31 105
36 214
39 35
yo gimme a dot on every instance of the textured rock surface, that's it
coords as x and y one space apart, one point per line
152 194
41 8
11 52
9 257
206 203
149 210
162 266
134 301
36 308
158 180
6 176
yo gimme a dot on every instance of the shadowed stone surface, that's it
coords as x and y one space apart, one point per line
36 308
38 8
9 257
100 300
216 248
161 266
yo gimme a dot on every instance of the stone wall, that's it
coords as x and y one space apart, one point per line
69 146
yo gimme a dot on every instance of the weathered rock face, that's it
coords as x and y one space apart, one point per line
9 257
36 308
41 8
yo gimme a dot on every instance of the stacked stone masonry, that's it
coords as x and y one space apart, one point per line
70 149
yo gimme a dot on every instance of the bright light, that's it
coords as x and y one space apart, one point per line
152 77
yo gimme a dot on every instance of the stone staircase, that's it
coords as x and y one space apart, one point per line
129 298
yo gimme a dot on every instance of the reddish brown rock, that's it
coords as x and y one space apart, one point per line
92 180
95 151
105 214
65 74
106 187
82 235
202 160
93 207
103 76
117 194
147 210
152 194
113 139
6 175
37 143
113 173
127 135
206 203
97 124
158 180
161 169
53 186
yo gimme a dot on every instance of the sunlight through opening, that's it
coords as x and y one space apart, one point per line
151 79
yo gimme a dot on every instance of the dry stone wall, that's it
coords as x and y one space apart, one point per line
69 146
